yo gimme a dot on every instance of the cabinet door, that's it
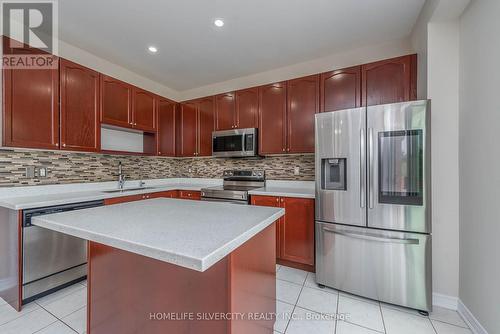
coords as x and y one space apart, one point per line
143 110
164 194
224 112
340 89
275 203
31 109
188 129
272 116
80 129
166 127
124 199
116 102
297 230
247 108
206 122
389 81
303 104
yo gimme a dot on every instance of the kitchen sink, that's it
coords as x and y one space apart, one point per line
126 190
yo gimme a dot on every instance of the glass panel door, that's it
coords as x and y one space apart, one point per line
400 167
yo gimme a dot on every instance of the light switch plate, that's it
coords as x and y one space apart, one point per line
296 171
42 172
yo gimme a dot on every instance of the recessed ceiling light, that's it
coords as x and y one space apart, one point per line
219 23
153 49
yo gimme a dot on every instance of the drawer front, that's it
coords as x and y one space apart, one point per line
188 194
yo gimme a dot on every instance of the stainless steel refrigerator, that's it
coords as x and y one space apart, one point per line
373 202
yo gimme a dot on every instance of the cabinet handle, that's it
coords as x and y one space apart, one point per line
277 200
159 152
282 200
56 144
63 145
288 149
283 149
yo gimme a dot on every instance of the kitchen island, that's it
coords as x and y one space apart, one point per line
176 266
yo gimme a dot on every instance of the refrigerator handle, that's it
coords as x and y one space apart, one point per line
362 169
370 168
371 237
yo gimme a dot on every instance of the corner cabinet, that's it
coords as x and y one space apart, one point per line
195 127
31 108
295 230
389 81
80 128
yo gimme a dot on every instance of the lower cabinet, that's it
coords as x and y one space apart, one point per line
295 230
132 198
165 194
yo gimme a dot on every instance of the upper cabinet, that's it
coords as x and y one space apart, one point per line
247 108
80 129
389 81
272 118
340 89
196 127
31 108
116 102
166 121
302 105
225 118
143 110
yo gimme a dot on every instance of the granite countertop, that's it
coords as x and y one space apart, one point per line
191 234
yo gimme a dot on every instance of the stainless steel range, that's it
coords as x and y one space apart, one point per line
235 187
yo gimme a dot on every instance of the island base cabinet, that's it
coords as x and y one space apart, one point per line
131 293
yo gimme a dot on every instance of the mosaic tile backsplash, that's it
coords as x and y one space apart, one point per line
65 167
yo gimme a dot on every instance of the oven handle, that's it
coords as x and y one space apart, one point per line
233 201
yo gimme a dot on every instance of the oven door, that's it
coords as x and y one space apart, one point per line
234 143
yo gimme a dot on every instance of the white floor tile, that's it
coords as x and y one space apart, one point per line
305 321
68 304
77 320
443 328
292 275
318 301
287 292
28 323
448 316
361 312
56 328
59 294
283 315
8 313
348 328
397 322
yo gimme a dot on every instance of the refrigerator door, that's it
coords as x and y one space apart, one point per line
341 167
393 267
398 154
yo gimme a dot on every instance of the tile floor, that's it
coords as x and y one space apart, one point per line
302 308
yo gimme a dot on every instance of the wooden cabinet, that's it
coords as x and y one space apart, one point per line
225 118
116 102
295 232
302 105
123 199
143 110
164 194
340 89
189 194
140 197
166 119
272 118
247 108
80 128
196 126
389 81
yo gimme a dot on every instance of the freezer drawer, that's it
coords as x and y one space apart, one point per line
393 267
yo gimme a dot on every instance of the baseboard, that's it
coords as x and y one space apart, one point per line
445 301
470 319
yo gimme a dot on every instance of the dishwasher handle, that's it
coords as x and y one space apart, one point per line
30 213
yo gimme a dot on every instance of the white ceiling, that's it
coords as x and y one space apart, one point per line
258 35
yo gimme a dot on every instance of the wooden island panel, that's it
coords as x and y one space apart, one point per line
126 291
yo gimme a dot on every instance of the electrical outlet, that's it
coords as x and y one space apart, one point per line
42 171
296 171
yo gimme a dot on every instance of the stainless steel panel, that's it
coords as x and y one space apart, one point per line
233 201
224 194
237 132
393 267
54 281
46 252
340 134
394 117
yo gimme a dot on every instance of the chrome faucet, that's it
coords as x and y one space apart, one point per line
121 177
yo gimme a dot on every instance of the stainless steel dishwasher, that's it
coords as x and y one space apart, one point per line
51 260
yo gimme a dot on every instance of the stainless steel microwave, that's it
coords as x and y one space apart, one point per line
235 143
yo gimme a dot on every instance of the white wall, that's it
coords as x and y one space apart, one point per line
480 162
335 61
442 86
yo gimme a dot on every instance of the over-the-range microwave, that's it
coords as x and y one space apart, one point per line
235 143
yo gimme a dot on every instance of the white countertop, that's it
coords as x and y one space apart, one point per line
19 198
191 234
